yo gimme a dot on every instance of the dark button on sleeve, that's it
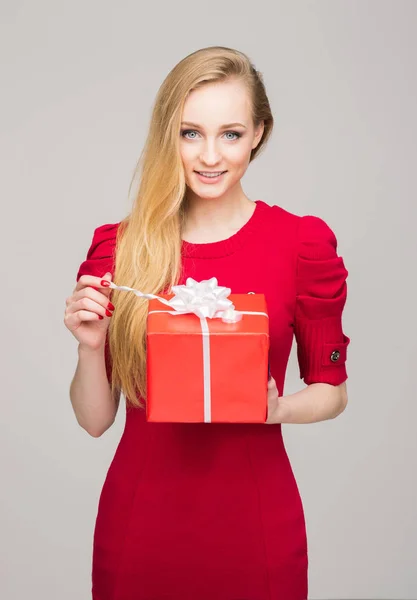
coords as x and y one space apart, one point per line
335 355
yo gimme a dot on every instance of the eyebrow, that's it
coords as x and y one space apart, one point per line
222 127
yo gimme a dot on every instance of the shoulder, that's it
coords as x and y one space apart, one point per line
304 229
309 232
279 222
277 213
100 254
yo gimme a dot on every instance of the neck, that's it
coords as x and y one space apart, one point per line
210 220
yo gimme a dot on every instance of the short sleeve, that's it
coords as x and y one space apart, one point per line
100 259
321 292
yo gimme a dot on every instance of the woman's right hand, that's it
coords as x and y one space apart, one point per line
88 311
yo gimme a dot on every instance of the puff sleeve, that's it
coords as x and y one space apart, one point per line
321 293
100 255
100 259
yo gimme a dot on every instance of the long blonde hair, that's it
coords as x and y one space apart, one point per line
148 244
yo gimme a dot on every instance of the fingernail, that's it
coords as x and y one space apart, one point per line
100 317
108 313
110 305
105 283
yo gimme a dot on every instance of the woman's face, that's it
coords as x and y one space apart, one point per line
217 135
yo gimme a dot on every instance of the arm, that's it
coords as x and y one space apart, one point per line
90 393
316 402
321 293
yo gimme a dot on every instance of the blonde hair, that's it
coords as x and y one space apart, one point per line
148 243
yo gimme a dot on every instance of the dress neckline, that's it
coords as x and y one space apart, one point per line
230 244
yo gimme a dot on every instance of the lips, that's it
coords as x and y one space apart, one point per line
210 172
210 179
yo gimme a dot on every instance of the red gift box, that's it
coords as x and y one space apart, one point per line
206 370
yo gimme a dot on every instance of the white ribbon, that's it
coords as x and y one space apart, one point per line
206 299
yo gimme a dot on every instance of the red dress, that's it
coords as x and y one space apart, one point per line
212 511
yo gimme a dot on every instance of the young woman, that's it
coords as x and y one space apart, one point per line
205 511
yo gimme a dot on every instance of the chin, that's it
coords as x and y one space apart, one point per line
201 193
210 191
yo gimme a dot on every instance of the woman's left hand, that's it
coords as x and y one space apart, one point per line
273 403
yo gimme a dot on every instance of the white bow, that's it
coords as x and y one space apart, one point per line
203 298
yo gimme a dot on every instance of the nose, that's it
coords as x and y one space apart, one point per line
210 154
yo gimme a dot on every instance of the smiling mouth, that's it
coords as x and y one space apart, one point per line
210 173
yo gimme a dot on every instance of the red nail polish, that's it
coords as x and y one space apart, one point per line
108 313
100 317
105 283
110 305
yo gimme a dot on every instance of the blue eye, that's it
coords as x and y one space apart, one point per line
238 135
184 133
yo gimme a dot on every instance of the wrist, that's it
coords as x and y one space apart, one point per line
282 412
88 351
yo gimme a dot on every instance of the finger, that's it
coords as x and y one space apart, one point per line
99 296
94 282
87 303
105 289
271 383
74 320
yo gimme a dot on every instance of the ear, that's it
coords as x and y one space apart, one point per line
258 134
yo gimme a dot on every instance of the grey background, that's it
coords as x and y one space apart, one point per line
78 80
